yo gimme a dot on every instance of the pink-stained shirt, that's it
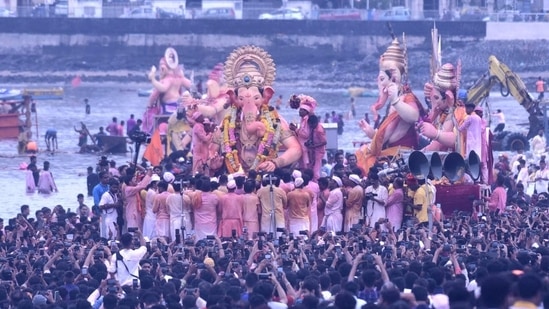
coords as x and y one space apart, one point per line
205 214
133 215
46 184
287 187
160 208
394 208
498 200
473 127
230 208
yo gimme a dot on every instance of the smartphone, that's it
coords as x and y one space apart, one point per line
135 283
70 237
84 271
56 296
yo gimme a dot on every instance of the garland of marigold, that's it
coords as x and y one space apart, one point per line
268 145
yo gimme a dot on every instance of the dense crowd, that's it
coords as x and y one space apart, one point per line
88 257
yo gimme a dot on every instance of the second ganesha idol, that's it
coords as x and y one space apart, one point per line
252 130
400 110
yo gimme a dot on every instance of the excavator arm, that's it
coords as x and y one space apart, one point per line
510 84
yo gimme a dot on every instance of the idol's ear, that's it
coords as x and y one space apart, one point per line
268 93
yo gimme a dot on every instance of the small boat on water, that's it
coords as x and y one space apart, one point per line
361 92
18 108
35 93
144 92
9 94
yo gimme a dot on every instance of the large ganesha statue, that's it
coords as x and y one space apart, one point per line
447 113
166 90
396 130
252 131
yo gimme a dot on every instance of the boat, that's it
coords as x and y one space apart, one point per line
144 92
9 94
113 144
21 107
361 92
35 93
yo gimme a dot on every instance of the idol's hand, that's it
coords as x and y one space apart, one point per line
267 166
427 129
392 92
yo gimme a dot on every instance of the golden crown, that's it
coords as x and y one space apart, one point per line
394 56
445 79
249 66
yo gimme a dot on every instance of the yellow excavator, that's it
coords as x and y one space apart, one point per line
510 84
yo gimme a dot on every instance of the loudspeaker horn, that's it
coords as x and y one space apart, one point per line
473 165
454 166
437 159
418 164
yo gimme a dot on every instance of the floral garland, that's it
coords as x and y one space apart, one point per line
268 145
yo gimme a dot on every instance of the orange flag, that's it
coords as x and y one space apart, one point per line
155 150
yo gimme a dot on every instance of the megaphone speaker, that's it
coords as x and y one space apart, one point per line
454 166
418 164
437 159
473 164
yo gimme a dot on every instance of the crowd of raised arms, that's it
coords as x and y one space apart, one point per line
348 240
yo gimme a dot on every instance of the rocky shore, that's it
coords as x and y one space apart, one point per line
527 58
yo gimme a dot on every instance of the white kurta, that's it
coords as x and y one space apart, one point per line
109 216
149 222
175 208
375 210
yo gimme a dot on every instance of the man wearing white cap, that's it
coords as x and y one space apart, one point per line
333 220
299 202
230 209
353 204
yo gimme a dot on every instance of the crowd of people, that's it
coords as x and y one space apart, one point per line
347 240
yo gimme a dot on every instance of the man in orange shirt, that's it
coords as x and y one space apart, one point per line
299 202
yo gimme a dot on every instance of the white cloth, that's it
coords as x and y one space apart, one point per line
109 216
523 176
313 216
500 118
29 182
333 220
46 185
297 225
359 303
277 305
375 210
131 258
538 144
149 227
175 208
541 185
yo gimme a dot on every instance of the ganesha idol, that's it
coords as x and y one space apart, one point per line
402 110
446 114
167 90
252 131
214 104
